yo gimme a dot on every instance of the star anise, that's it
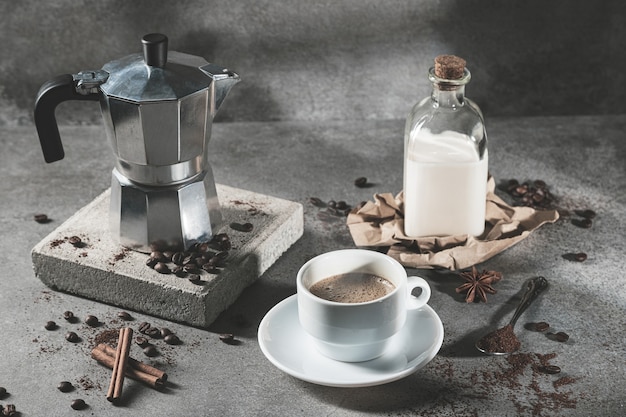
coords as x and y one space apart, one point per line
478 283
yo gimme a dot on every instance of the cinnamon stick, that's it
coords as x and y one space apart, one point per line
103 358
134 363
119 365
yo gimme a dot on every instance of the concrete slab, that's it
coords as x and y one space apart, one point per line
102 270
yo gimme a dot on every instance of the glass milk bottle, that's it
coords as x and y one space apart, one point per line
445 158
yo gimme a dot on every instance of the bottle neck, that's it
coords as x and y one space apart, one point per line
447 96
449 93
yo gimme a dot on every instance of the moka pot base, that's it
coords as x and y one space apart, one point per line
99 268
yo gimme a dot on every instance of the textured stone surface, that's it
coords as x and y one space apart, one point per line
100 269
580 158
332 60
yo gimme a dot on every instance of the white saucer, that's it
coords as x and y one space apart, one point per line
287 346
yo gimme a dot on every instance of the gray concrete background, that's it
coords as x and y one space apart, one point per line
581 158
321 60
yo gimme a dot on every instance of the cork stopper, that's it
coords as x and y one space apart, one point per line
449 67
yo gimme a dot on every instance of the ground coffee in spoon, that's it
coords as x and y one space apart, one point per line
502 340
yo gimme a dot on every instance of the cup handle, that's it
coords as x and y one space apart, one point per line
413 302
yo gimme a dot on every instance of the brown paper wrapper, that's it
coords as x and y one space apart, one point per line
381 223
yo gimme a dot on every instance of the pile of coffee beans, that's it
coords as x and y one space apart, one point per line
147 341
209 257
332 210
535 194
149 349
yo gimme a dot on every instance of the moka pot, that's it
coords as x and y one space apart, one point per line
158 109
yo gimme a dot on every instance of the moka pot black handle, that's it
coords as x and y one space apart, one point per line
51 94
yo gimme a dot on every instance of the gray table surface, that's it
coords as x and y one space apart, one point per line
583 160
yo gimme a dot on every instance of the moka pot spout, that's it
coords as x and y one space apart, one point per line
223 80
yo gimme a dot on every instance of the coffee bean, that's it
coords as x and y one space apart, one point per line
178 258
10 411
195 278
580 257
172 339
221 237
157 255
41 218
245 227
78 404
203 247
3 392
72 337
92 321
153 332
190 269
559 337
141 341
65 386
538 196
228 338
341 205
361 182
549 369
332 204
224 245
179 271
124 315
50 325
150 351
165 331
162 268
75 241
151 262
149 330
317 202
520 190
69 317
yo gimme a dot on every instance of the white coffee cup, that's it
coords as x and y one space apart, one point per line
356 332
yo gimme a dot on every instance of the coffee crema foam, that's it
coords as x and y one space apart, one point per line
352 287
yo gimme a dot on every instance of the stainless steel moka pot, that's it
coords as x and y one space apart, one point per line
158 108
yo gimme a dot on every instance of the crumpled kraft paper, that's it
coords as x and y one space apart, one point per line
381 223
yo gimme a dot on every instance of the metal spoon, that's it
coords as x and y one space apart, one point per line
534 287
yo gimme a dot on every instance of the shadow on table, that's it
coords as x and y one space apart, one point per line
411 393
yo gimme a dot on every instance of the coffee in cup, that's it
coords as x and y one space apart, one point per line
358 329
352 287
